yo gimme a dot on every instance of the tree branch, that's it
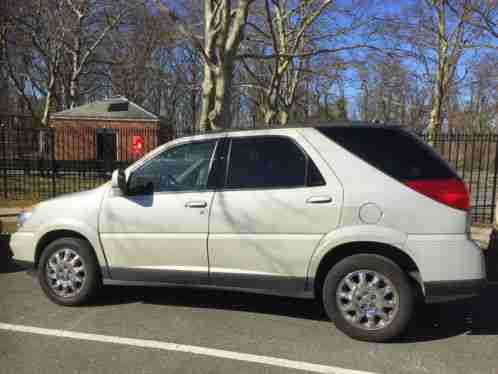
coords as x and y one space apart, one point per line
308 54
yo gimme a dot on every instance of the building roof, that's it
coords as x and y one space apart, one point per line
113 108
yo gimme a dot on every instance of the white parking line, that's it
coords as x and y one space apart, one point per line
154 344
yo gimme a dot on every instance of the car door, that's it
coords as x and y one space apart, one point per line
158 230
278 200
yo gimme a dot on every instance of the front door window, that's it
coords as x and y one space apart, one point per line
182 168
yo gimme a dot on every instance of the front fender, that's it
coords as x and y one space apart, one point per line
85 230
351 234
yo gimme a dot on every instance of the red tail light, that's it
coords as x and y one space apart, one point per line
451 192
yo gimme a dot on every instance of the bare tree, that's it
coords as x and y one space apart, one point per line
390 93
288 36
85 25
484 15
437 35
176 85
450 46
480 111
223 32
4 78
131 51
286 27
33 51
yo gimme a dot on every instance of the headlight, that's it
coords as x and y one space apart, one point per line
23 217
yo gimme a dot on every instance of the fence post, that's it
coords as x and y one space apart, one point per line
4 158
494 181
51 133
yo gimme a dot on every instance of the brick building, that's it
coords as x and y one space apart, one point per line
113 129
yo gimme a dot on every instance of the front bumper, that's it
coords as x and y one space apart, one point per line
442 291
23 245
7 262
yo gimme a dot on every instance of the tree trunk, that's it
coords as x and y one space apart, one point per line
365 101
221 115
75 64
270 108
74 92
436 111
269 115
45 116
223 32
208 94
284 116
193 106
193 97
74 84
48 101
442 61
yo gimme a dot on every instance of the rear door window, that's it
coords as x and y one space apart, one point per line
395 152
260 162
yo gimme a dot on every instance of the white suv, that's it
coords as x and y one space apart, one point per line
365 218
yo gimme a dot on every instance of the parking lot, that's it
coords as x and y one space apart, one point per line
150 330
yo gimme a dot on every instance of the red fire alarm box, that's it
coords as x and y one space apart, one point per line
137 145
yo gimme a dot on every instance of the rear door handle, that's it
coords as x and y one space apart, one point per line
319 200
196 204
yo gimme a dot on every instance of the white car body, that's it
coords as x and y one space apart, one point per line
268 240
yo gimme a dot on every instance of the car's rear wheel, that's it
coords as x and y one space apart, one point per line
368 297
68 272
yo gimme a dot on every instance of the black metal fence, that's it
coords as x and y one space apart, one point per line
475 157
36 164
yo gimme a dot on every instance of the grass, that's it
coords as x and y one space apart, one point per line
17 203
9 227
34 188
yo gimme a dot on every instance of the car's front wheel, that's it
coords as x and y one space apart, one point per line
68 271
368 297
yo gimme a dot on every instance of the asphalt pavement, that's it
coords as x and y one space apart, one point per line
178 330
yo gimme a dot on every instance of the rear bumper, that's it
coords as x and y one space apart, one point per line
451 267
442 291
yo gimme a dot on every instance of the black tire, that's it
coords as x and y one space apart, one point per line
388 269
92 282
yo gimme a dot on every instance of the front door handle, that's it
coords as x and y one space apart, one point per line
319 200
196 204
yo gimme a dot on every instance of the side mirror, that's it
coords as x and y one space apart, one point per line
118 181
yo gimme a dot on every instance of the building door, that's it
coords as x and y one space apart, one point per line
106 147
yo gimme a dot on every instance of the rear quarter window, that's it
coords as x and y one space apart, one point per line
395 152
